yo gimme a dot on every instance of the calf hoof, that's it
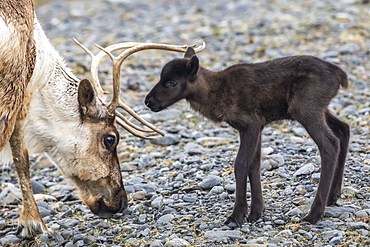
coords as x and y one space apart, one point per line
332 200
312 218
254 216
235 222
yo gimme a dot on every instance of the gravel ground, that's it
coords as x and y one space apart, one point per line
181 187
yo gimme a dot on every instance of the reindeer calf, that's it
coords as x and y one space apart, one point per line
250 95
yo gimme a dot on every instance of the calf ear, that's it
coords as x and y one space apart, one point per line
87 100
189 52
192 68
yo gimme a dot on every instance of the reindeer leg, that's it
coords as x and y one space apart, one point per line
30 222
342 132
249 140
328 145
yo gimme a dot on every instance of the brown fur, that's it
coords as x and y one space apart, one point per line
14 79
250 95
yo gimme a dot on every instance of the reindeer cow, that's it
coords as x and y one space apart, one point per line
44 108
250 95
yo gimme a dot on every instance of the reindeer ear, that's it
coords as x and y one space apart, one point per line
86 97
192 68
189 52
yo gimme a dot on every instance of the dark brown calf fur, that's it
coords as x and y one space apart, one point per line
250 95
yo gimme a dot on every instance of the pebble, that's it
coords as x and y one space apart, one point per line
210 181
166 218
177 242
219 235
305 170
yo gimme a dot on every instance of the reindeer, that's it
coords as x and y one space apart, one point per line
248 96
45 108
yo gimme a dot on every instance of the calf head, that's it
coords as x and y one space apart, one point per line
176 83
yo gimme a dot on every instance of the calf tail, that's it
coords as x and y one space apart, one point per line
343 78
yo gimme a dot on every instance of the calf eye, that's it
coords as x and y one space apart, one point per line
109 141
171 83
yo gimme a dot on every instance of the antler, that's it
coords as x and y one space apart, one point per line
116 102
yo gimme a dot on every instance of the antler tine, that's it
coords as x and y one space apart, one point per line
96 59
117 62
133 131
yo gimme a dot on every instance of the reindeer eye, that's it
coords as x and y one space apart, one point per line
171 83
109 141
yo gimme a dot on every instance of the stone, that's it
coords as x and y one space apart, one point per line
305 170
10 194
156 243
37 187
359 225
167 140
271 162
177 242
166 218
230 187
9 239
284 234
218 235
349 191
157 202
210 181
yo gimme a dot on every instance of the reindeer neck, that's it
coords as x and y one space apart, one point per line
206 89
54 106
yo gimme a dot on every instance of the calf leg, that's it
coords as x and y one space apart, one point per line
249 143
30 222
328 145
254 173
342 132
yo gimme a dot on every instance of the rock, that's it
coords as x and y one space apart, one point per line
156 243
230 187
284 234
217 190
3 224
299 131
193 148
349 191
348 111
210 181
219 235
167 140
305 170
10 194
272 162
177 242
315 177
167 115
157 202
145 161
359 225
166 218
9 239
37 187
267 151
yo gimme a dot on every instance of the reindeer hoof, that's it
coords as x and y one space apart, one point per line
31 230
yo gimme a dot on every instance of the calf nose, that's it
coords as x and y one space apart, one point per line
148 100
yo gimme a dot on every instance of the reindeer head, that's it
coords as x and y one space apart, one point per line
175 82
100 186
